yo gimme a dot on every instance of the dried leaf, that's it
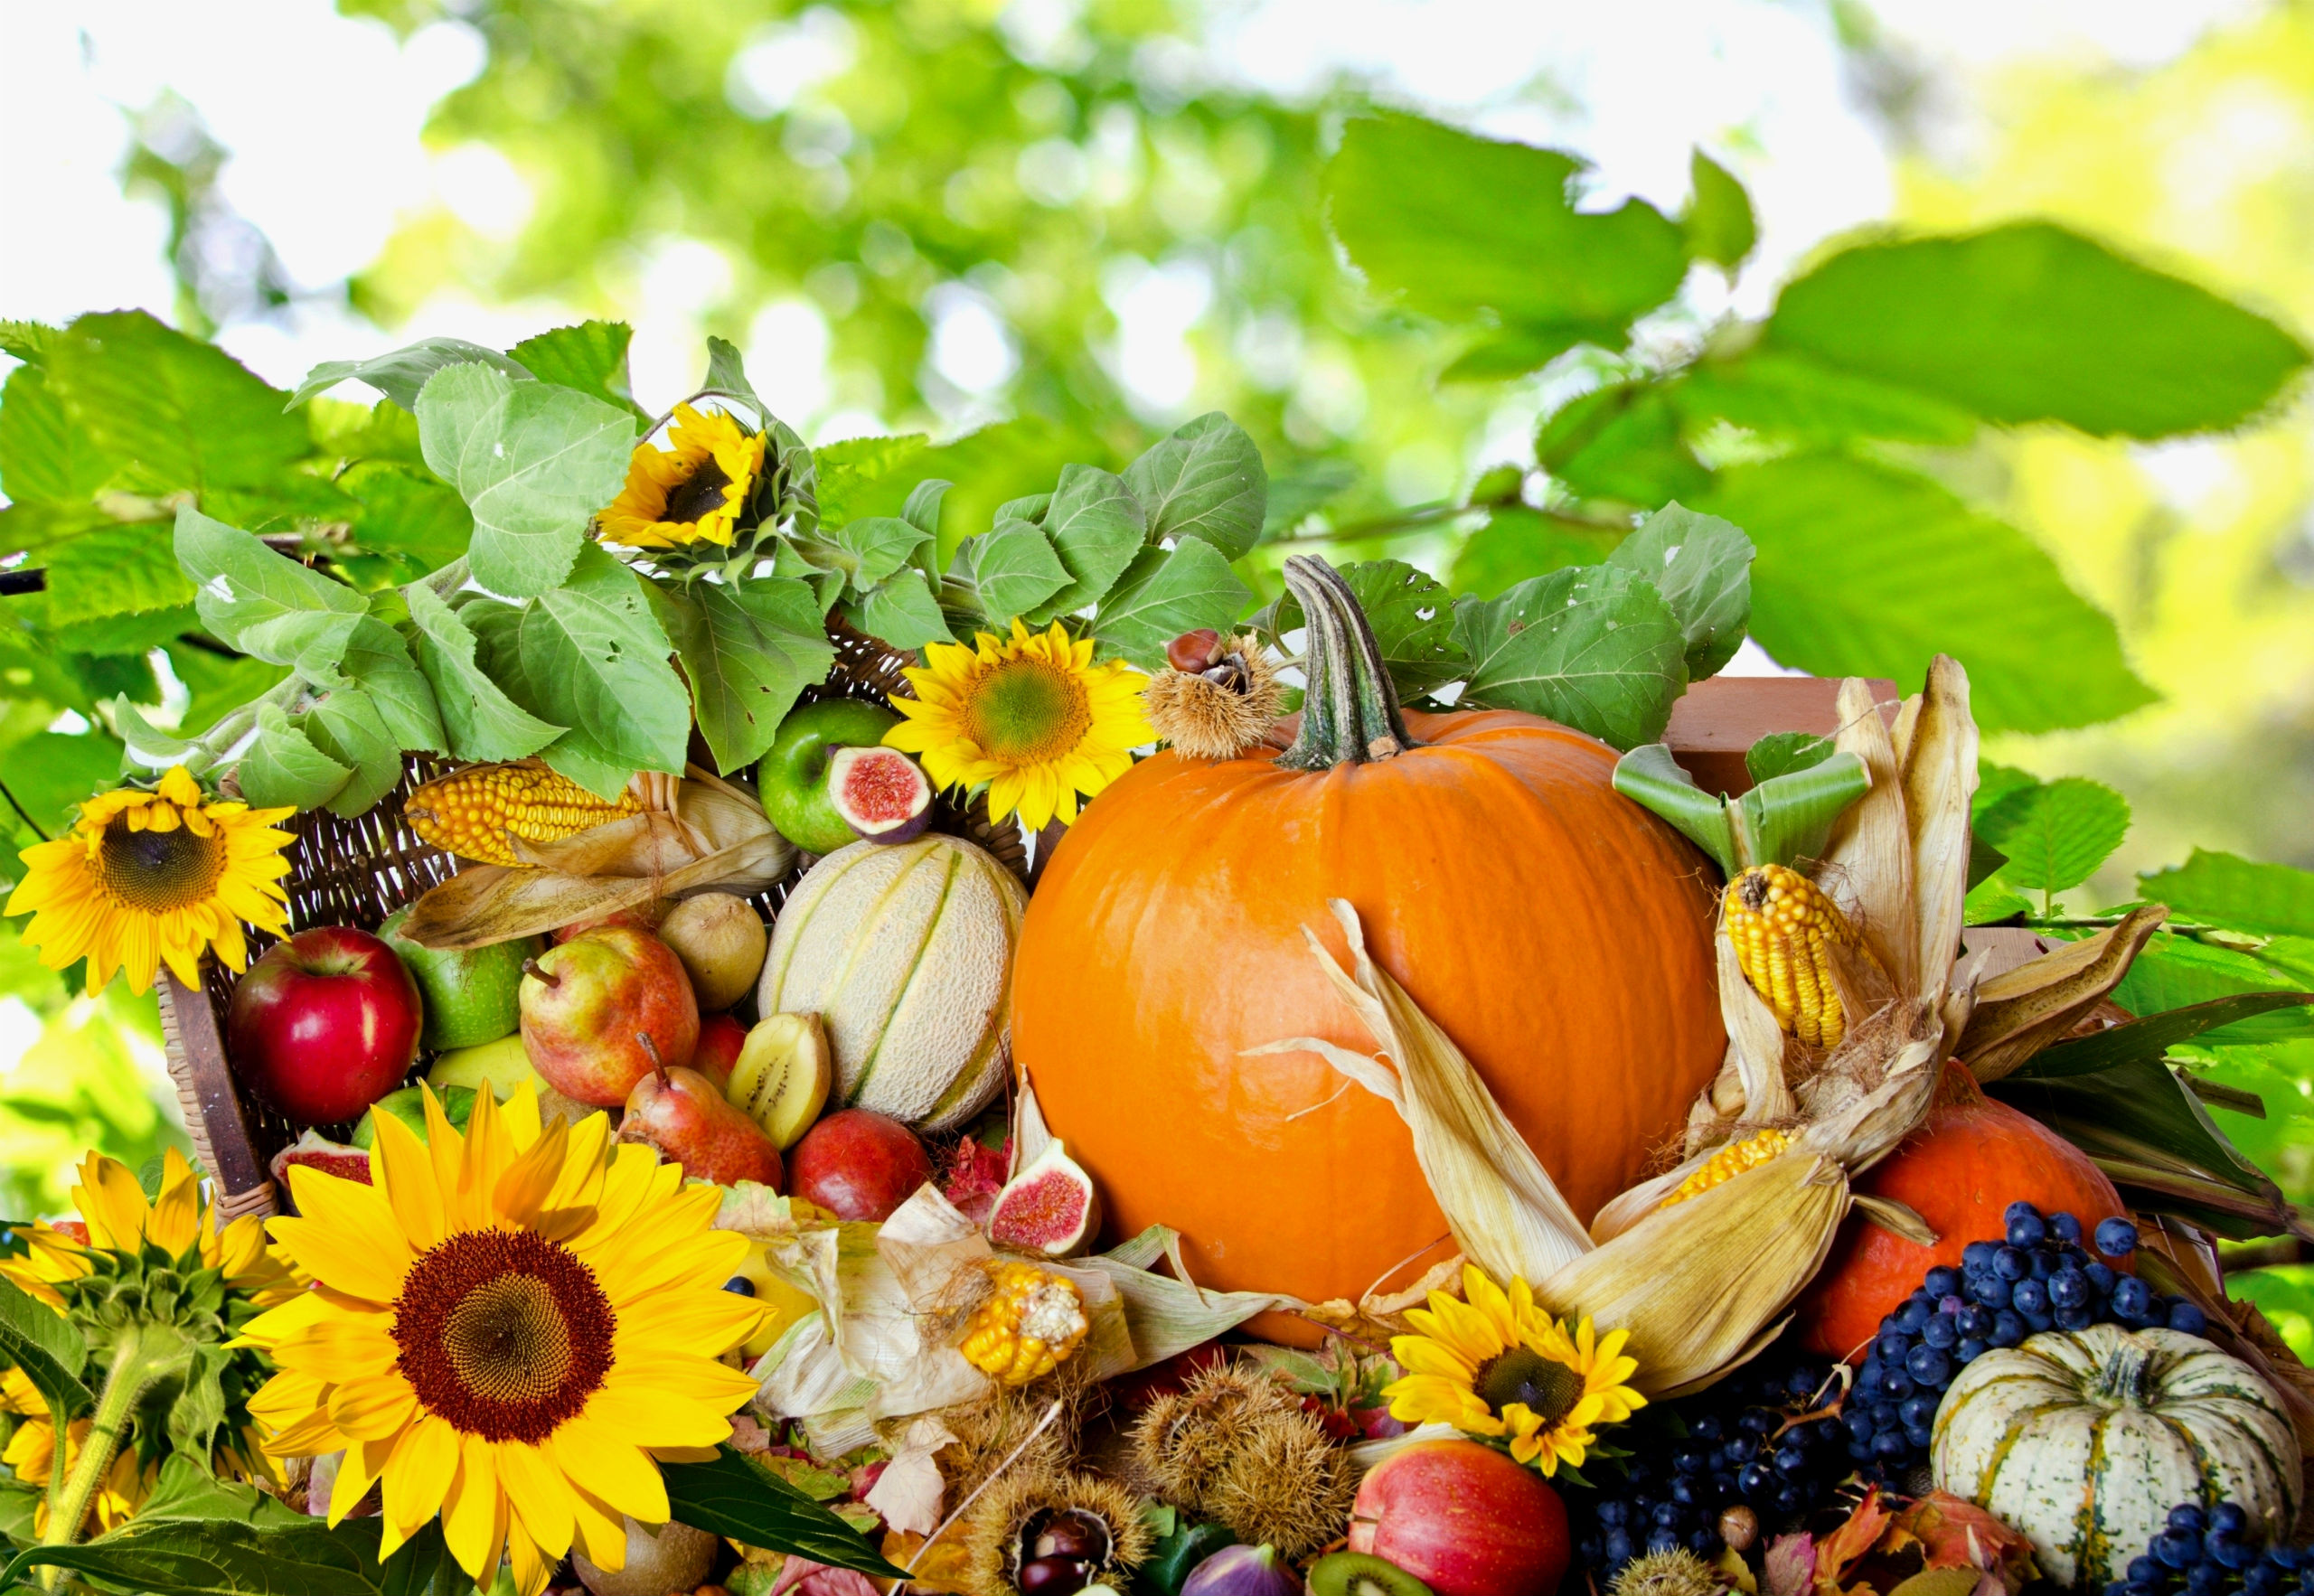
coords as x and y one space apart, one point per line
1840 1550
1958 1535
1939 775
1789 1566
1867 864
2036 1004
908 1492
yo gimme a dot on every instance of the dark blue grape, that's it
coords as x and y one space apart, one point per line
1703 1543
2261 1579
2027 1228
1687 1493
2031 1297
2069 1288
1930 1366
1791 1459
2132 1298
1858 1422
2065 1227
1755 1480
1893 1345
2289 1559
2229 1553
1666 1515
1706 1428
2008 1329
1757 1423
1975 1320
1993 1292
1917 1410
2044 1266
2227 1518
1896 1385
1614 1512
1913 1316
1662 1541
2012 1264
2038 1322
1920 1435
1942 1281
1738 1452
1943 1332
2101 1277
2205 1579
1690 1459
1969 1350
1889 1445
2073 1318
1790 1500
2145 1571
1886 1415
2150 1588
1978 1255
1618 1548
2116 1237
2187 1319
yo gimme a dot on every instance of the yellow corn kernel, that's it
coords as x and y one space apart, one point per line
1728 1162
1029 1327
474 812
1782 925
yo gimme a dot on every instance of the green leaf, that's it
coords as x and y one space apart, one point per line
37 1339
378 661
114 570
403 374
1521 350
533 462
900 610
1620 442
2152 1037
866 551
1790 397
264 603
220 1544
1595 648
1996 781
1702 566
1097 526
479 720
1517 542
1658 782
2056 835
1864 569
347 727
1165 592
50 772
1297 493
1204 481
147 745
1782 751
590 357
1719 224
1993 900
45 457
733 1497
728 373
284 767
137 633
28 340
597 662
922 509
1786 817
1012 570
401 511
2032 323
1457 225
750 650
852 469
2224 889
195 1414
1412 614
2175 972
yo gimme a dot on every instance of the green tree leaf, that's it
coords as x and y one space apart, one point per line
1702 566
1012 570
403 374
2032 323
728 373
217 1545
1594 648
282 766
590 357
2177 972
597 662
1792 397
50 772
1412 615
135 634
479 721
1205 480
404 511
44 458
1516 543
1165 592
533 462
1457 225
2225 890
1096 527
379 663
345 724
114 570
848 470
1719 224
2055 835
263 602
1864 569
750 650
1620 442
733 1497
900 610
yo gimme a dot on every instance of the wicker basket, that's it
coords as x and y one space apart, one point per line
358 871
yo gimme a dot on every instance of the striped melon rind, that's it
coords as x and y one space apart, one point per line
905 952
2037 1436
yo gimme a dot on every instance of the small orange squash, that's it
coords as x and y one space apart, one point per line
1560 934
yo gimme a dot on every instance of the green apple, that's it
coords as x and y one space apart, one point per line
794 776
472 994
409 1106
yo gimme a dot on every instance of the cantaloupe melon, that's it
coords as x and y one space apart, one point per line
905 952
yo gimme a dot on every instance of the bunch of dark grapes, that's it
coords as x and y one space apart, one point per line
2038 1278
2207 1552
1747 1442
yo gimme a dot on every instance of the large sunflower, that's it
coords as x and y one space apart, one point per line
1498 1365
1031 715
143 877
508 1329
692 491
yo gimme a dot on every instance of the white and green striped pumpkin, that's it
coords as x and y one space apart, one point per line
2083 1441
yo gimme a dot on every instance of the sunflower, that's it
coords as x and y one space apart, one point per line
693 492
507 1330
143 877
1498 1365
1031 715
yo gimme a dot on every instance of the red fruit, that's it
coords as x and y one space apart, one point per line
1463 1519
720 1037
857 1164
588 1004
1959 1171
1193 651
72 1230
325 1024
313 1150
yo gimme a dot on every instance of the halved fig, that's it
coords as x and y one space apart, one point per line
1049 1207
880 793
317 1151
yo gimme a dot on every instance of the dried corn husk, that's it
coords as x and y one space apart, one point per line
699 832
2019 1014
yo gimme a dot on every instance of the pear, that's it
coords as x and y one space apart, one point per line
503 1065
784 1076
687 1120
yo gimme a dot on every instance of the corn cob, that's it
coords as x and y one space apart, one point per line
1028 1326
474 812
1727 1163
1781 926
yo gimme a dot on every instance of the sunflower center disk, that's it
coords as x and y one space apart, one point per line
1548 1388
502 1334
157 871
700 494
1027 710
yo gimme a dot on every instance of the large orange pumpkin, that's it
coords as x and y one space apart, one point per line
1969 1160
1558 933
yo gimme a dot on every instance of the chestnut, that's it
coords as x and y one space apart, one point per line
1054 1576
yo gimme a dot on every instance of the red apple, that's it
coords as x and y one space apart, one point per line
720 1037
1463 1519
605 1009
325 1024
857 1164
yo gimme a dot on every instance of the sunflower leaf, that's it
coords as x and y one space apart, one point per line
1165 593
46 1347
401 374
1096 527
345 724
1595 648
900 610
728 373
263 602
282 766
596 658
1012 569
1206 481
750 650
733 1497
1702 566
866 551
479 721
379 661
533 462
590 357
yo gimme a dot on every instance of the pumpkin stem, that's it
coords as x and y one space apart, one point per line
2126 1378
1350 709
